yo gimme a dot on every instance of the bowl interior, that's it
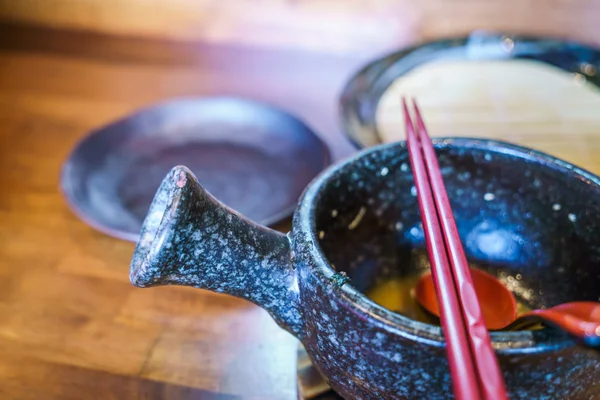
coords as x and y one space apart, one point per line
527 218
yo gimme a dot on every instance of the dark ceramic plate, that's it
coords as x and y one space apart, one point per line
360 96
253 157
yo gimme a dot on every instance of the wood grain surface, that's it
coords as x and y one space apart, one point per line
71 324
345 26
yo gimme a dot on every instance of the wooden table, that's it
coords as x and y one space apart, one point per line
71 324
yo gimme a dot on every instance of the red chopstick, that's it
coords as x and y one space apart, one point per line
464 376
490 376
473 365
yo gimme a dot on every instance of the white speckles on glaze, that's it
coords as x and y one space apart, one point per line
537 183
572 217
378 339
446 171
361 353
333 340
398 226
488 157
334 213
415 231
355 355
556 207
404 167
384 171
464 176
219 251
489 196
333 305
321 234
413 191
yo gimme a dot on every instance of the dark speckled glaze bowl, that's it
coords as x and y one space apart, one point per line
527 217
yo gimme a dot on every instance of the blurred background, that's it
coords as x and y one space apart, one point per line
71 324
352 26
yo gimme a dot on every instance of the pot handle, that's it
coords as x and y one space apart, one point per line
190 238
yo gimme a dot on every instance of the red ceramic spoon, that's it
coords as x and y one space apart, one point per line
499 308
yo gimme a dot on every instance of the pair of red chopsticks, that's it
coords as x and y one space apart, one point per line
473 365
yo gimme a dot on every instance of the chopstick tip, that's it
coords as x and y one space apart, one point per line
405 108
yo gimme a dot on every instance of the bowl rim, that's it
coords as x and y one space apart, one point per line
362 91
504 342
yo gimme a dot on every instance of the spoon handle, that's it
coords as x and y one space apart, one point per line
523 322
588 331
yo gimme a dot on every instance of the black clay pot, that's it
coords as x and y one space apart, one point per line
521 215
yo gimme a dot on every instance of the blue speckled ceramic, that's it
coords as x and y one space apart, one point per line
529 218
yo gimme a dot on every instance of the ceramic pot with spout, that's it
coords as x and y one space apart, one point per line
521 214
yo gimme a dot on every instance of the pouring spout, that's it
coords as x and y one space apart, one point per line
189 238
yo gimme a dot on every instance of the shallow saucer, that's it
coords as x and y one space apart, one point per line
255 158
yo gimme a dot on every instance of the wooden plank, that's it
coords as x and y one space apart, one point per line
70 321
319 25
28 378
